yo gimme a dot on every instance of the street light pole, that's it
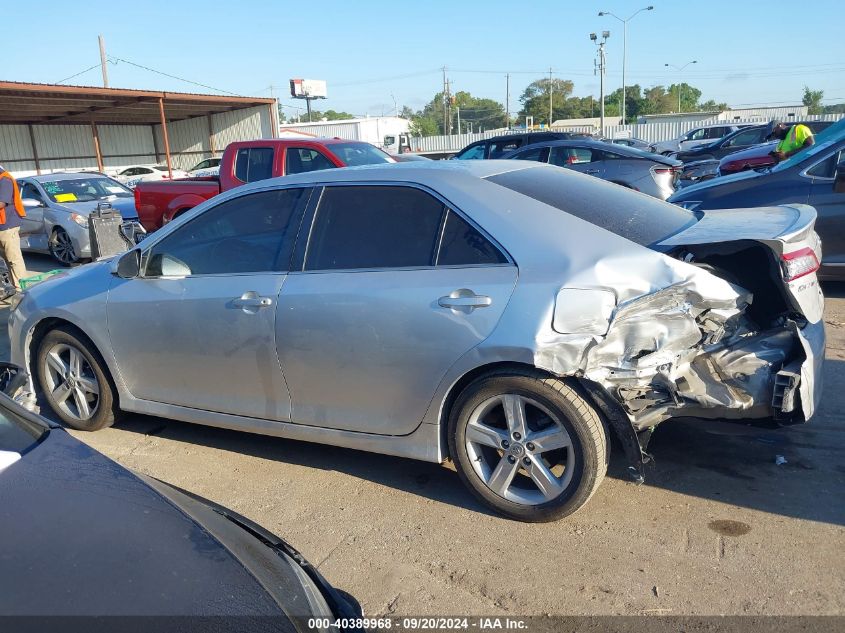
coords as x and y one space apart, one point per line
625 48
680 77
602 68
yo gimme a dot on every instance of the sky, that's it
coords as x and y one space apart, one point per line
377 56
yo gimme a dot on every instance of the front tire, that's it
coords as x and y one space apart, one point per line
72 378
61 247
528 445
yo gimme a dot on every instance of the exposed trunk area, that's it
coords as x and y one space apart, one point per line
686 351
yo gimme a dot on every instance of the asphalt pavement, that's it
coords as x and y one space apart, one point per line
719 527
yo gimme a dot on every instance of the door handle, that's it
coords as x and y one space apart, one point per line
251 301
464 300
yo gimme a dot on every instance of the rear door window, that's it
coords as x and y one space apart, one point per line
254 163
747 137
300 159
500 148
374 227
566 156
715 133
464 245
535 153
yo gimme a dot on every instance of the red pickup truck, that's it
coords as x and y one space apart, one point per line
158 202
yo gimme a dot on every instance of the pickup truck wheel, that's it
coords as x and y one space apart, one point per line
528 445
72 378
61 247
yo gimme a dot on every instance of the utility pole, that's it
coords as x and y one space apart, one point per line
601 69
445 102
103 61
551 92
508 100
449 105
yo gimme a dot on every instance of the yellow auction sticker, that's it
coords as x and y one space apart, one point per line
65 197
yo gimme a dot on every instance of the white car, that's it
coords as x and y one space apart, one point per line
205 168
134 174
694 138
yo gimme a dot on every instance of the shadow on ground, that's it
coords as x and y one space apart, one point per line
726 462
730 463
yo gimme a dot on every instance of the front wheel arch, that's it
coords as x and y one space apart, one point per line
43 327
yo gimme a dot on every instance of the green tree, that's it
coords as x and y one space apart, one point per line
480 112
813 100
689 97
535 101
329 115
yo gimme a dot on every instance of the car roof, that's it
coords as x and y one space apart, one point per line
64 175
622 150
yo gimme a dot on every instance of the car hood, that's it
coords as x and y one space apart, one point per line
689 193
126 207
81 535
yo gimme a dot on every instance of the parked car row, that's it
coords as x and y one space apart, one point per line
814 176
131 176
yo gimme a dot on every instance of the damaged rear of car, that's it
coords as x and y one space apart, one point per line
717 315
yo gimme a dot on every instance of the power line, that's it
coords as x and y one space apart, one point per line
383 79
160 72
97 65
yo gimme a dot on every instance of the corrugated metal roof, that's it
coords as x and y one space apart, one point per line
29 103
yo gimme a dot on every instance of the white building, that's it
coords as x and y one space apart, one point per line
780 113
381 131
589 122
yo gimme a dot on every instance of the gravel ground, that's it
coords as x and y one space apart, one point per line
718 527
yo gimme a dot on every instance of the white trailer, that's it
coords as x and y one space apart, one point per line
390 133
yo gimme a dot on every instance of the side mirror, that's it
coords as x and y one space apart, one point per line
839 181
32 203
128 266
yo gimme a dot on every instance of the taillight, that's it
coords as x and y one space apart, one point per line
799 263
137 200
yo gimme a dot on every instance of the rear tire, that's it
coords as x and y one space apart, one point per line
528 445
73 379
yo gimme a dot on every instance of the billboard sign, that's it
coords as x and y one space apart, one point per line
307 88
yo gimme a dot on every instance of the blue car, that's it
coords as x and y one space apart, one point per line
814 176
80 535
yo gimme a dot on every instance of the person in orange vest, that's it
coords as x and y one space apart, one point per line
11 212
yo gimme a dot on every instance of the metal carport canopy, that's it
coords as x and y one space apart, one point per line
51 104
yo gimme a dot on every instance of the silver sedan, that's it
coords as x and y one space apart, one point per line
633 168
505 315
57 210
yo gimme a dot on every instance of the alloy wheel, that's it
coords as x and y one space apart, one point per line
61 247
71 382
519 449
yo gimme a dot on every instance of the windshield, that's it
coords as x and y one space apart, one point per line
823 140
84 189
353 154
639 218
